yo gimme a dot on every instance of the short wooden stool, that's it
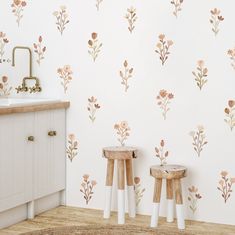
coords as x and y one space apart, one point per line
173 175
124 156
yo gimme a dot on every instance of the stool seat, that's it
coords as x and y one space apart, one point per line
168 171
121 153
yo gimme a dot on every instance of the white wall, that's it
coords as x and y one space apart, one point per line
193 40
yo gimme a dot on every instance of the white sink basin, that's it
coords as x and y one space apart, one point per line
12 102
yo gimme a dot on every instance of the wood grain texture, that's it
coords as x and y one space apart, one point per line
178 191
119 152
109 173
169 189
168 171
121 174
157 190
129 173
34 108
72 216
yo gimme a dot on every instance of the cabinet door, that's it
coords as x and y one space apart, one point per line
15 160
49 163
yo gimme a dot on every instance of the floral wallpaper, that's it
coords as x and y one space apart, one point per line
158 75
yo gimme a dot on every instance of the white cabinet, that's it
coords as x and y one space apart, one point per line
49 151
31 168
16 160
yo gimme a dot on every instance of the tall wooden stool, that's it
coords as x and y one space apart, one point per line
124 156
173 175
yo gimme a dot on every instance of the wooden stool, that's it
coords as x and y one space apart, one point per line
173 175
122 155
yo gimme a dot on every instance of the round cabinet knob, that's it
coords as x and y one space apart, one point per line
31 138
52 133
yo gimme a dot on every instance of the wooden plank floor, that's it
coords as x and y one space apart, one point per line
71 216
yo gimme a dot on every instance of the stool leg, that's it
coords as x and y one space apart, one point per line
156 202
170 200
108 188
179 204
130 188
121 192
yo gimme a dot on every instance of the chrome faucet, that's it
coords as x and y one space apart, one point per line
23 87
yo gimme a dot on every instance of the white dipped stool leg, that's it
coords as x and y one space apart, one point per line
130 188
179 204
107 206
121 207
108 188
180 216
170 200
30 210
156 202
121 192
131 201
155 213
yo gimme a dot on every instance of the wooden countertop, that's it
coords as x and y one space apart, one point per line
34 107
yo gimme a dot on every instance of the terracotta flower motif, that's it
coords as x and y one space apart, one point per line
163 100
215 20
98 2
72 147
123 131
163 47
5 89
3 42
201 74
230 114
131 18
161 153
231 54
193 198
39 49
225 185
93 106
177 6
62 18
65 75
17 9
139 191
87 188
126 75
94 46
199 139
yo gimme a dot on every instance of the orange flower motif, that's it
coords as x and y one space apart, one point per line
94 46
201 74
93 106
230 114
18 7
231 53
5 89
225 185
163 48
122 131
126 75
161 154
65 74
87 188
193 198
3 42
163 100
131 18
215 20
72 147
177 5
